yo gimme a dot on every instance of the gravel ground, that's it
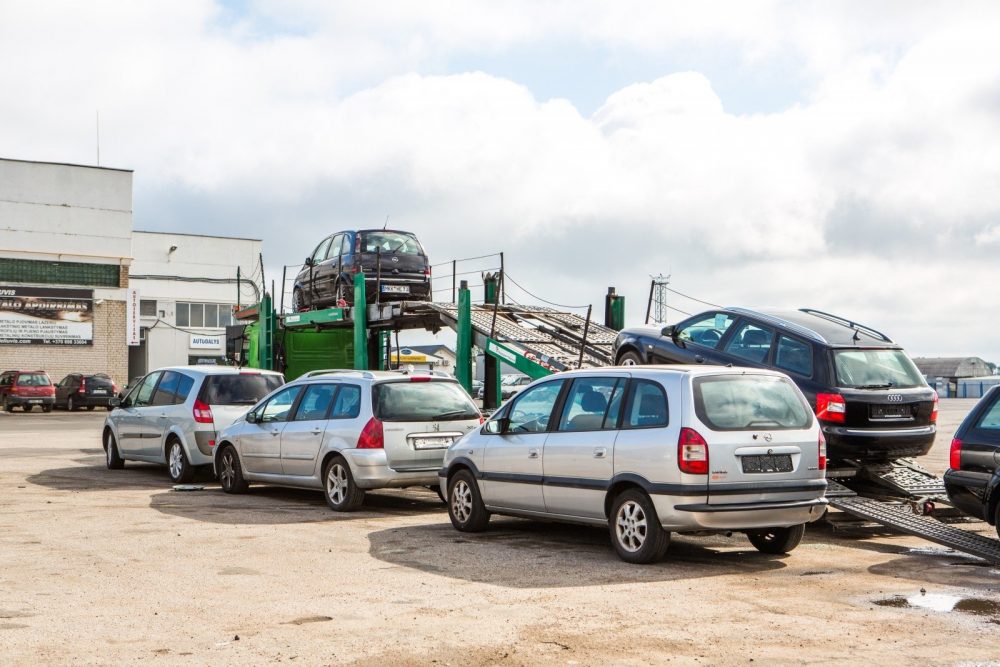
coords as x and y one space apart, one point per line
113 567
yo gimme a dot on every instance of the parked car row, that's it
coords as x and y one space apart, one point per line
30 389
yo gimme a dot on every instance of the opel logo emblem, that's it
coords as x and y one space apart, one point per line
767 438
395 259
770 452
895 398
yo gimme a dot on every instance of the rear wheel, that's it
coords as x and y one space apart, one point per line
777 540
27 408
298 303
70 405
179 467
996 519
89 408
635 529
46 408
465 505
113 458
629 358
342 493
231 472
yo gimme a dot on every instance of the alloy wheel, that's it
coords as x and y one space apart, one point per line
176 460
108 444
228 474
630 526
336 483
461 501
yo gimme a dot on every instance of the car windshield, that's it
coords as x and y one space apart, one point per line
33 380
512 379
242 389
422 402
737 402
875 369
398 242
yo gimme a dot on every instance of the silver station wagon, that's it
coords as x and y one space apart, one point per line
347 431
648 451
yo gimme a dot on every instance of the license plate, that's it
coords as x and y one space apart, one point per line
767 463
395 289
100 392
34 400
891 412
438 442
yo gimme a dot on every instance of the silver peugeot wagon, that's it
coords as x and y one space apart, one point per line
648 451
173 414
347 431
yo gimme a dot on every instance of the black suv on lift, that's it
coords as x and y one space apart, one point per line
973 476
393 262
872 402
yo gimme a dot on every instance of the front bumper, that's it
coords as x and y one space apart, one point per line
881 444
371 470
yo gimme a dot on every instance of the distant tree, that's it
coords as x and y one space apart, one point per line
992 367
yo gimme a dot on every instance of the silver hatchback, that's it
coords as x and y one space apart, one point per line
173 414
648 451
347 431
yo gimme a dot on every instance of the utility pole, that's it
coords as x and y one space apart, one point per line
659 298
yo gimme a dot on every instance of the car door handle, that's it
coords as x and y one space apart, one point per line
532 453
600 452
163 416
275 432
700 359
316 431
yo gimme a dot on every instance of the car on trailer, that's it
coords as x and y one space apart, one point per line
646 452
393 262
973 478
872 402
26 390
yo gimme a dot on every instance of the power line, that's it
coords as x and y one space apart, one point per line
535 296
707 303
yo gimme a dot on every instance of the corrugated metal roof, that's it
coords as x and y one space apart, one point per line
952 367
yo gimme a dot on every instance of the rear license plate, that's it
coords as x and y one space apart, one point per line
767 463
34 400
891 412
99 392
433 442
395 289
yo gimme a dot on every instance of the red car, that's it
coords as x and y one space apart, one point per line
26 389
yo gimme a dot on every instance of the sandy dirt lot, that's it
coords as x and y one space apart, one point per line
114 567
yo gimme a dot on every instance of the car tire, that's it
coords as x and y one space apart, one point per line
90 408
6 405
635 529
231 472
340 490
630 358
465 504
178 466
69 404
298 304
436 488
112 457
777 540
996 518
27 408
46 408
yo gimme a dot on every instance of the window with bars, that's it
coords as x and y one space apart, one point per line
203 315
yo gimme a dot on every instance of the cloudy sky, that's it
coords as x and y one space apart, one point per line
843 156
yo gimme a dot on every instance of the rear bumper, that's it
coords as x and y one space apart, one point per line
749 516
845 442
19 401
86 401
966 491
371 470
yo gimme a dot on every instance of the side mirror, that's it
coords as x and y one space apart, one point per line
309 261
252 418
668 331
496 426
115 402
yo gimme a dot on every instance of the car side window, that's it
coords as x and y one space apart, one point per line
990 421
532 408
315 402
707 331
277 409
647 406
795 356
334 250
347 405
589 404
320 254
166 390
751 342
184 385
144 392
345 249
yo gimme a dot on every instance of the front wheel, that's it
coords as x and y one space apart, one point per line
465 505
777 540
113 458
298 303
635 529
630 358
231 472
342 493
180 468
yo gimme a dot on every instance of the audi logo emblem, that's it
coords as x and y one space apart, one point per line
895 398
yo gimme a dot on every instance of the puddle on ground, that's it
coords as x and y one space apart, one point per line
943 603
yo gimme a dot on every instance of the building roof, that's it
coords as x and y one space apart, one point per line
952 367
430 349
66 164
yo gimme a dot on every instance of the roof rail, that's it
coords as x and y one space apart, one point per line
340 371
777 320
874 333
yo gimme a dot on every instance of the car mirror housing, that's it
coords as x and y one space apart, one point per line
496 426
309 261
668 331
251 417
115 402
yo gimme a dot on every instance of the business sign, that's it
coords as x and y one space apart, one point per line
132 317
46 316
202 342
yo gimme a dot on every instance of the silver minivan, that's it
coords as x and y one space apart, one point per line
648 451
173 414
347 431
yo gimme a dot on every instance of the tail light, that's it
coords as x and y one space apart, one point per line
822 451
114 388
955 457
427 272
420 378
692 452
371 435
934 410
83 386
831 408
482 420
14 389
202 413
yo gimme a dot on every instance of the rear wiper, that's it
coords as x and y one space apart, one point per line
762 422
884 385
453 413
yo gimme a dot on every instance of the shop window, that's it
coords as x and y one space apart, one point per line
197 314
147 308
204 315
182 313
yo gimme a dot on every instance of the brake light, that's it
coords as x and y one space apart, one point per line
692 452
822 451
420 378
427 272
482 420
202 413
955 456
831 408
83 386
114 388
934 410
371 435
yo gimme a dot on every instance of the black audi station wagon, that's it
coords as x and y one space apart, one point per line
393 262
872 402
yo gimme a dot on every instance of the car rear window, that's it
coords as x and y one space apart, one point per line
398 242
33 380
738 402
875 369
98 381
242 389
422 402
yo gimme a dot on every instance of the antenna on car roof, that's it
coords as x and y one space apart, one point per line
386 222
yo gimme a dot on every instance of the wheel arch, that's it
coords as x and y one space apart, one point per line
621 484
630 345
